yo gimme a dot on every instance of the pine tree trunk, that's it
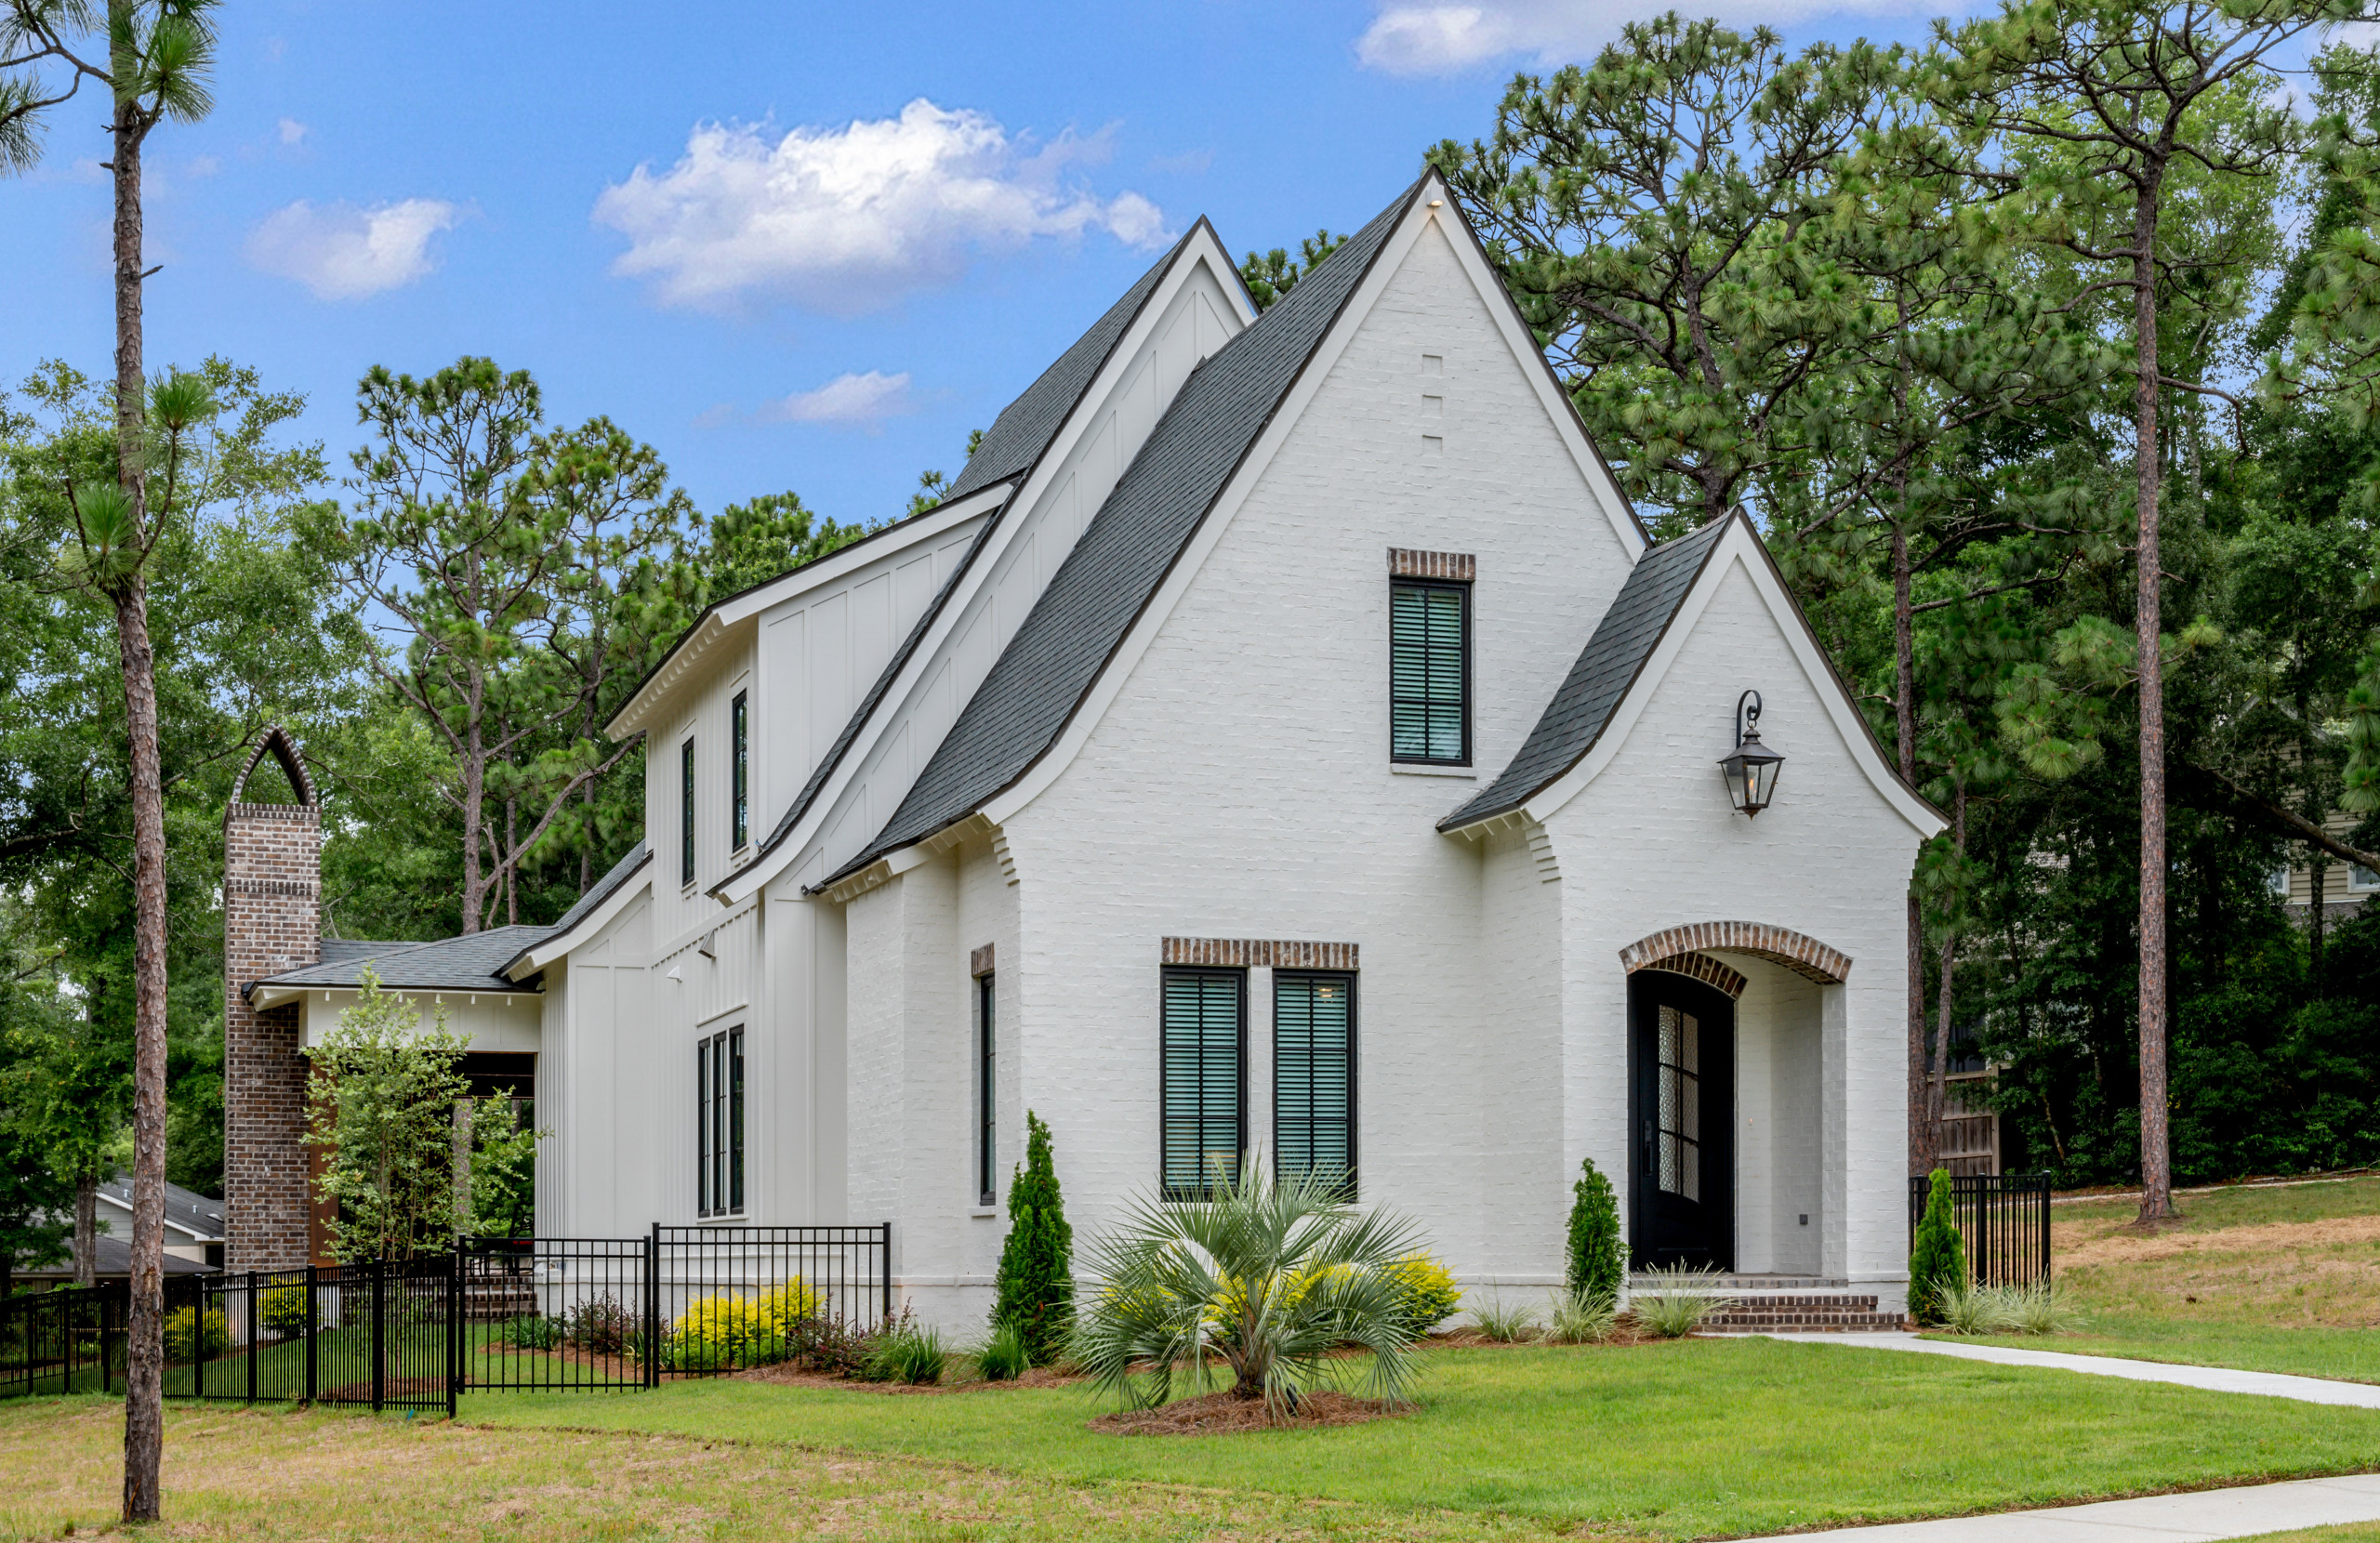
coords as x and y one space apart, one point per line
2156 1159
1937 1086
87 1228
1921 1130
144 1427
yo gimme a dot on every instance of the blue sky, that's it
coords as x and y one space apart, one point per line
792 245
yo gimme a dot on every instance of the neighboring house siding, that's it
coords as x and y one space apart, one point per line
1652 842
2341 884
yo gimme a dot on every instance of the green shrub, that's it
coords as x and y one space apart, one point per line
1002 1357
600 1326
1679 1301
182 1328
736 1328
1598 1261
1504 1324
908 1353
1938 1260
283 1313
534 1331
1035 1288
1581 1318
1428 1291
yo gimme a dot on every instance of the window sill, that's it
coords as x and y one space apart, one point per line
983 1211
1422 768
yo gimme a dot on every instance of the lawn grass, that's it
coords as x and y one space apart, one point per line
1690 1439
279 1475
2273 1279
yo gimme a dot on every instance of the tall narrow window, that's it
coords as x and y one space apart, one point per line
1199 1075
739 776
686 814
1314 1075
1429 672
986 1090
1681 1101
719 1124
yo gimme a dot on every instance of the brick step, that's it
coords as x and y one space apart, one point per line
1860 1323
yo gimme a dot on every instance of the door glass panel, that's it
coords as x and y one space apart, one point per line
1680 1103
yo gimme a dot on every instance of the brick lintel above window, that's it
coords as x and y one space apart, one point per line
1456 567
1259 953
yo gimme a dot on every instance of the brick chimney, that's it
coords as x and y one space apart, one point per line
273 884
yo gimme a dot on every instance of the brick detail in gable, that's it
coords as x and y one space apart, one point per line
1259 953
1804 957
1459 566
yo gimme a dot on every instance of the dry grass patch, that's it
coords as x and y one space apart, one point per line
281 1475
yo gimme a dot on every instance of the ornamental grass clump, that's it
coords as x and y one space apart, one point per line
1504 1324
1002 1356
908 1352
1581 1318
2005 1309
1678 1301
1264 1279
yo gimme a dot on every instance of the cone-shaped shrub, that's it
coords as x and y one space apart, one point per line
1598 1264
1938 1261
1036 1285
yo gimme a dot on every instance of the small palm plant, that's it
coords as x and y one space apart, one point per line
1266 1276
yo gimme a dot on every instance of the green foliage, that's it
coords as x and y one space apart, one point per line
1270 1277
504 1168
1002 1357
184 1331
283 1313
1276 272
1678 1301
1034 1289
1581 1318
739 1328
1430 1292
381 1105
1938 1260
747 545
906 1353
535 1331
1505 1323
1598 1257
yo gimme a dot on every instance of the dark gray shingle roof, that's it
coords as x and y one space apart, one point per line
110 1260
1601 675
1026 426
597 893
450 964
1128 549
187 1209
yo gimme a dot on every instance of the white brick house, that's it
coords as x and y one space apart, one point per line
1282 739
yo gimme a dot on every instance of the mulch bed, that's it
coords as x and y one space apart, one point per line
1221 1414
787 1374
1625 1332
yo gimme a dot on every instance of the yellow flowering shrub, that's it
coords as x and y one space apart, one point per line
734 1329
1430 1293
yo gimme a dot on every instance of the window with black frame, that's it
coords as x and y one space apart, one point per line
1314 1075
1429 671
719 1124
686 813
986 1093
1201 1063
739 774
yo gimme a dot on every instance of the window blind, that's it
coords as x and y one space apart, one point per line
1314 1075
1201 1081
1429 672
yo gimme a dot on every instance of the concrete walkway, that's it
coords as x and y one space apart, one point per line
2201 1517
2220 1379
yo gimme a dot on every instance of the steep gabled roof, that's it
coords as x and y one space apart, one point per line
1026 426
1626 637
1128 549
632 861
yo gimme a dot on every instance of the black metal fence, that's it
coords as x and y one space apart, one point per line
382 1334
69 1341
540 1314
2004 1220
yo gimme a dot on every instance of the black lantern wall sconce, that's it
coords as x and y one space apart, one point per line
1751 768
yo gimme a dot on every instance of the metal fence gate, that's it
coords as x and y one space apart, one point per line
2003 1219
524 1313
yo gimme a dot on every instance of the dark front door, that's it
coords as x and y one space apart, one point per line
1682 1067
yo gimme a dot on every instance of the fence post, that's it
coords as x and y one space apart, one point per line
107 1323
885 1274
380 1298
653 1306
453 1328
251 1326
197 1336
313 1331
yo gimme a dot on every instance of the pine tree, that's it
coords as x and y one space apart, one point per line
1938 1261
1036 1285
1597 1262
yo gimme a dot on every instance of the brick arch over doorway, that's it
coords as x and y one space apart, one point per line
1804 957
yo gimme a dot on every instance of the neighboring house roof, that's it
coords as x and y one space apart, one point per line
111 1260
1128 549
450 964
1017 442
186 1210
1626 637
1026 426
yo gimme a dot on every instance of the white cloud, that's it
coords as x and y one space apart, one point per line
291 131
848 399
344 252
1406 39
847 220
